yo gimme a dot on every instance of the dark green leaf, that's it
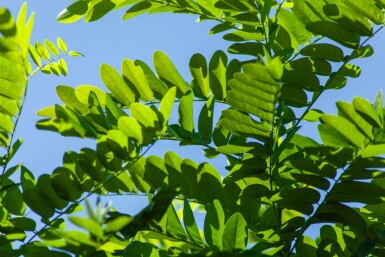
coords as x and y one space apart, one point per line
323 51
335 32
65 184
72 13
39 203
340 213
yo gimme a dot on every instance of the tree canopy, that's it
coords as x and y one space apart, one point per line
276 182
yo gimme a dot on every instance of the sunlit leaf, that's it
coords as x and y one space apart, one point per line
214 225
168 73
235 233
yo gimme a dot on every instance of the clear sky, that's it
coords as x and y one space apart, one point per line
110 40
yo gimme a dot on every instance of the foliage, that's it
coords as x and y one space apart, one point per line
277 182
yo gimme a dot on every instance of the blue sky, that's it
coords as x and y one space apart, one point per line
110 40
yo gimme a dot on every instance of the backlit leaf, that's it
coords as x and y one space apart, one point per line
114 82
168 73
235 233
214 225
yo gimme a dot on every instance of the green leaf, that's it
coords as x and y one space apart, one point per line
186 119
336 82
119 144
65 184
307 178
73 13
293 95
313 115
340 213
82 93
347 111
217 75
98 10
294 26
345 129
155 172
7 25
145 116
14 148
27 179
247 103
137 9
305 11
355 191
349 70
190 224
115 83
68 96
362 52
366 110
54 67
214 225
75 54
174 226
261 91
350 19
42 51
335 32
51 47
62 64
330 137
34 55
168 73
39 203
309 64
241 124
134 75
13 198
306 80
247 48
44 186
323 51
158 87
205 121
259 73
137 172
24 223
61 44
235 233
291 198
131 128
117 223
198 70
166 105
88 224
221 27
366 9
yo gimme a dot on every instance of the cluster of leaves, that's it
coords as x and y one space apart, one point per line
16 70
277 182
